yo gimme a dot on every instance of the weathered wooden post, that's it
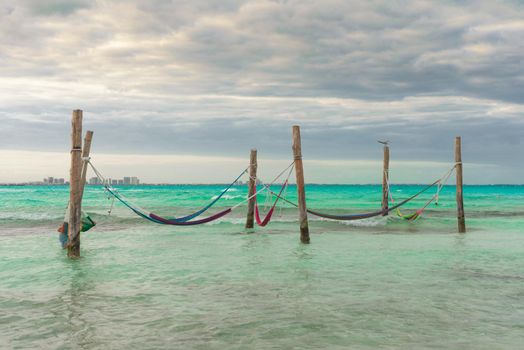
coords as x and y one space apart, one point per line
85 158
75 186
301 193
252 186
385 181
460 200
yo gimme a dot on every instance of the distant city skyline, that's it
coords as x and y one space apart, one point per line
126 180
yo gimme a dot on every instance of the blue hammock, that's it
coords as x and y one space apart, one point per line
183 219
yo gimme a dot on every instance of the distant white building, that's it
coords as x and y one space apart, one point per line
94 181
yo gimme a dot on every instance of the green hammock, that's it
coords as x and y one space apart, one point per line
87 222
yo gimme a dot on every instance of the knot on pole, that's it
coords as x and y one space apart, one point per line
298 157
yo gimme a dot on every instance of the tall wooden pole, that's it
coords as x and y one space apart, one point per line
460 200
385 181
252 186
301 193
75 199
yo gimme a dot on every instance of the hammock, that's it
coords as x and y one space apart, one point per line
415 215
267 219
409 217
86 221
269 214
189 223
160 220
182 221
371 214
351 217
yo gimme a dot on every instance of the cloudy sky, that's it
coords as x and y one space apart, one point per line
179 91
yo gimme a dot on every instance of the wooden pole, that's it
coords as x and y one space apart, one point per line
301 193
85 155
252 186
460 200
75 200
385 181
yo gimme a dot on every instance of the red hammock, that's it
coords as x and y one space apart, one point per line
269 214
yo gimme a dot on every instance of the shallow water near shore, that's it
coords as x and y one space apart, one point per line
381 282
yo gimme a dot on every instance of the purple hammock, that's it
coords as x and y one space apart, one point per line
189 223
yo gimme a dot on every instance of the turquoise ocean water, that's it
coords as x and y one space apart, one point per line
376 283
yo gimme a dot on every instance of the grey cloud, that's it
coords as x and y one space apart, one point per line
219 77
50 7
334 48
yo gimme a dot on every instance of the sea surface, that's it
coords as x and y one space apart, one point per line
377 283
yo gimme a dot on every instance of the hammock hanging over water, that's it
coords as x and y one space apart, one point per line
350 217
182 221
370 214
86 221
263 222
415 215
160 220
267 218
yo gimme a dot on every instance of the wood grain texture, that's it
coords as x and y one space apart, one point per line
75 186
460 199
385 179
252 186
301 192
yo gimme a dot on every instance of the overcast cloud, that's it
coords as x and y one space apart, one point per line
216 78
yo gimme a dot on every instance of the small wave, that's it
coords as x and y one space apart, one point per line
373 222
227 196
233 221
30 216
17 190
